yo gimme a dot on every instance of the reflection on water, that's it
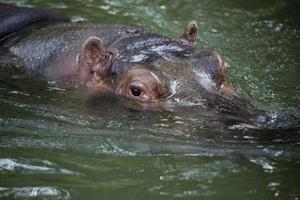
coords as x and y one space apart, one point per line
32 192
56 143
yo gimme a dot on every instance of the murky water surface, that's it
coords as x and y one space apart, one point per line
56 143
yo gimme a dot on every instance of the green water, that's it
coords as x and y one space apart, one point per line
56 143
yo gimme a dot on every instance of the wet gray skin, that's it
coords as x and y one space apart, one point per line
188 76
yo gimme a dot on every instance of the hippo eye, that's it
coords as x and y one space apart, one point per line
135 91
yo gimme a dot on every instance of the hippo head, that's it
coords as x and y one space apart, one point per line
178 80
157 72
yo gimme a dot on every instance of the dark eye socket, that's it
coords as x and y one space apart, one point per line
135 91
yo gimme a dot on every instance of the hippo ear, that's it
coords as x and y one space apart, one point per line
190 34
98 58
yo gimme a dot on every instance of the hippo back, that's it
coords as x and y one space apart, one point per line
14 19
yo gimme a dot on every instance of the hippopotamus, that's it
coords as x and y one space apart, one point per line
146 69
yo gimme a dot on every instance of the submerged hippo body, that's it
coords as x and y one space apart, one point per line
147 69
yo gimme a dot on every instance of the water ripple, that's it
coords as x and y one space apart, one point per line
34 192
7 164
